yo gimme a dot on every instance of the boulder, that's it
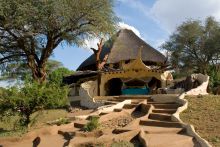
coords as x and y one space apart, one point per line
195 84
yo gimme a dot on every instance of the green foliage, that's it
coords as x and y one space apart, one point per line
31 30
214 74
15 71
194 45
62 121
92 124
10 125
21 71
53 65
57 75
122 144
30 98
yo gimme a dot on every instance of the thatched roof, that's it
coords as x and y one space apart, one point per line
124 46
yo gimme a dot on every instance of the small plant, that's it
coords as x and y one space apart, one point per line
92 124
59 121
122 143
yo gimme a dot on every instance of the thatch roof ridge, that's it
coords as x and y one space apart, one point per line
124 46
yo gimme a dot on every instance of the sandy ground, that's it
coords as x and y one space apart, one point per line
135 123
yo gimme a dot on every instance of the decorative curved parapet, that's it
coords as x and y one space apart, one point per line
189 128
105 109
180 100
119 105
86 92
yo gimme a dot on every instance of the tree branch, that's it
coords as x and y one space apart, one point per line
11 56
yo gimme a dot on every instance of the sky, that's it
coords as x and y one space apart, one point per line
152 20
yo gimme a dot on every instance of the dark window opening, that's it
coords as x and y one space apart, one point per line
113 87
154 84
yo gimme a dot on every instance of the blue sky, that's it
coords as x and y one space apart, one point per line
152 20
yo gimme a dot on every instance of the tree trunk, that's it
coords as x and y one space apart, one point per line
27 119
99 64
38 69
40 74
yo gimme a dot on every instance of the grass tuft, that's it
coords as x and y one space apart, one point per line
92 124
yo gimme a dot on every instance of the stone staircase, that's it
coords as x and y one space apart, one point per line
154 119
161 131
148 124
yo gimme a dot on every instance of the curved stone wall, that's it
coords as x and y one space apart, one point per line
86 92
176 116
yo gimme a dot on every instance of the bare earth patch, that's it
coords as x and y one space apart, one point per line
9 127
204 114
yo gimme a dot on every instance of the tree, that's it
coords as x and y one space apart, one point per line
31 30
20 70
99 64
32 97
57 75
195 45
53 65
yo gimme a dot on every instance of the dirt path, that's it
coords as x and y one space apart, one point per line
143 122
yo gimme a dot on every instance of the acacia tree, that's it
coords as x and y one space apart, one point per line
30 30
195 45
97 52
20 71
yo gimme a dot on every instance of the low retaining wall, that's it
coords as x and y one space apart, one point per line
86 93
105 109
189 128
165 98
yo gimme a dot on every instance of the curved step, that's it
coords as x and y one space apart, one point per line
129 106
80 124
117 110
169 140
160 123
160 116
159 130
166 106
167 111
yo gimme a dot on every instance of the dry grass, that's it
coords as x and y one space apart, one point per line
9 127
204 114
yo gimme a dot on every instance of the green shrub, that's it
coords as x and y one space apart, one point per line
214 78
122 144
62 121
214 74
59 121
56 77
30 98
92 124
